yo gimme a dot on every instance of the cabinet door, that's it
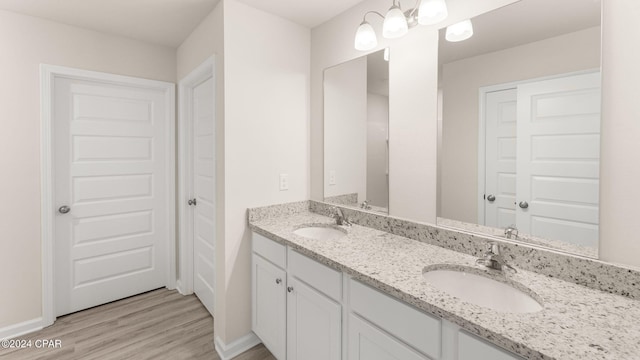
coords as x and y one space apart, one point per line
367 342
269 305
313 322
471 348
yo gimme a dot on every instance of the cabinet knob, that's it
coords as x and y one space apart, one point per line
278 281
290 289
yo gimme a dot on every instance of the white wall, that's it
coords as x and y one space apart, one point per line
377 152
266 134
345 129
620 164
412 101
460 83
26 43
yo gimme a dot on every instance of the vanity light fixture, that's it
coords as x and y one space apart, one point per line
397 22
459 31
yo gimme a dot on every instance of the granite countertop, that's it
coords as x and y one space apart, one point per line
576 322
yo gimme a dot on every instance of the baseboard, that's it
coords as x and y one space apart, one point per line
179 287
12 331
227 352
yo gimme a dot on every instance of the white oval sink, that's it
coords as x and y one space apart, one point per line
482 291
321 232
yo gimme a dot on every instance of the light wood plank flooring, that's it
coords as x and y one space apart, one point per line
160 324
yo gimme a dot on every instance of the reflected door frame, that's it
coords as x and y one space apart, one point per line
482 124
48 76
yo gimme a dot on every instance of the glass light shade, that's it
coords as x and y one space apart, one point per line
459 31
365 37
395 24
432 12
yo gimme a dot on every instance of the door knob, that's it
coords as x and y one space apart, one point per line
192 202
64 209
523 204
491 198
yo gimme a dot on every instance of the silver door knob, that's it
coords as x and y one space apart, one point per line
278 281
64 209
491 198
523 204
192 202
290 289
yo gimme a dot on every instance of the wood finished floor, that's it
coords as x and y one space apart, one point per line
160 324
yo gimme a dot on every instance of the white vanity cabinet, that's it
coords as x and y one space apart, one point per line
269 294
297 313
472 348
398 328
300 313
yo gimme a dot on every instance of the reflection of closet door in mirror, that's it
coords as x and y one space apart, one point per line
558 158
500 159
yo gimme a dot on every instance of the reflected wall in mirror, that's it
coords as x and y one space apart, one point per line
356 127
520 125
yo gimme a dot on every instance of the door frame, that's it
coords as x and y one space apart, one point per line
186 86
482 92
48 75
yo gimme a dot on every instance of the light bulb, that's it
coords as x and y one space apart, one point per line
459 31
365 37
432 12
395 24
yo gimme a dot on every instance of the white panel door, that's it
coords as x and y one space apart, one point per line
314 324
558 158
204 193
367 342
500 158
110 169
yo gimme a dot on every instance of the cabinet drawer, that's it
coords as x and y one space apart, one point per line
366 342
270 250
472 348
408 324
321 277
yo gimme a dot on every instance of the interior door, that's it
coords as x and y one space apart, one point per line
110 168
204 193
558 158
500 158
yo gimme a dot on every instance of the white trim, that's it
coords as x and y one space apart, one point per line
237 347
205 71
48 73
26 327
483 91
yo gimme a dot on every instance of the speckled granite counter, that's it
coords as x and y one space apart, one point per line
576 322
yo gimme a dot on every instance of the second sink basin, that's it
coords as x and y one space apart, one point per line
319 232
482 291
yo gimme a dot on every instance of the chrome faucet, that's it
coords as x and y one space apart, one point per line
510 231
493 259
365 205
340 218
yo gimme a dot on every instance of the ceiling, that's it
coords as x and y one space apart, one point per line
309 13
164 22
521 23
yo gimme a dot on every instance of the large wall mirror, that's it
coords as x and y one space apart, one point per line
356 127
520 125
